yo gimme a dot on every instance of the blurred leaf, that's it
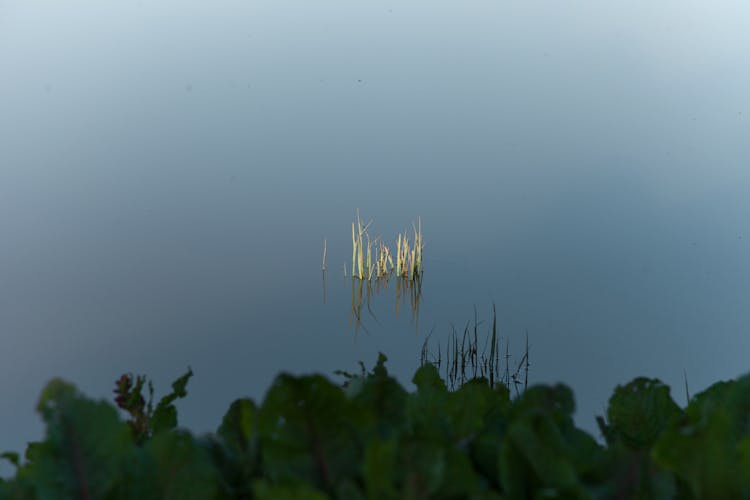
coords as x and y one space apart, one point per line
173 465
307 431
263 490
422 466
381 398
460 480
236 454
348 489
428 379
238 428
640 411
164 419
630 473
485 448
85 447
380 470
543 450
165 413
706 448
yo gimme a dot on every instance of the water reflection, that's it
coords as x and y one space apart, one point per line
324 285
363 292
413 289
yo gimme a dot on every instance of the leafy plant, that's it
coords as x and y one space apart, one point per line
371 438
145 420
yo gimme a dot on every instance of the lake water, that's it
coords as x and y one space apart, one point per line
169 170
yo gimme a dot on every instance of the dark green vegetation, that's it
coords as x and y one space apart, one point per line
370 438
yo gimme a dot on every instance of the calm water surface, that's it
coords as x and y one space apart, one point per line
168 172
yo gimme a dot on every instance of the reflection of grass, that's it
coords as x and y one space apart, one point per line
361 293
363 290
413 288
463 360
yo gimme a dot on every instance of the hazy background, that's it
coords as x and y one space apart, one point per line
168 170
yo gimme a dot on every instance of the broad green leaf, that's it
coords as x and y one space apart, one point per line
428 379
459 480
381 398
173 465
380 470
238 428
705 449
542 446
470 407
731 397
556 401
629 473
703 456
164 419
85 446
743 450
543 452
422 467
236 452
18 488
485 447
426 409
639 411
307 429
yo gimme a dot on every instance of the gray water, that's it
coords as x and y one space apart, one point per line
169 170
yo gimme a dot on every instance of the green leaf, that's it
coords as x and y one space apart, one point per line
382 399
485 447
422 466
165 414
380 470
308 432
173 465
543 450
85 447
428 379
541 445
164 419
460 480
706 449
263 490
640 411
238 428
703 456
629 473
237 454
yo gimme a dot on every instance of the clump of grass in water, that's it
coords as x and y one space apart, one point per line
409 256
373 262
377 263
463 360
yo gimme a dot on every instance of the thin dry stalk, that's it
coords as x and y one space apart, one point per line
324 254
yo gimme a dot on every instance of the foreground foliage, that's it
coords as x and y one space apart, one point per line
311 438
